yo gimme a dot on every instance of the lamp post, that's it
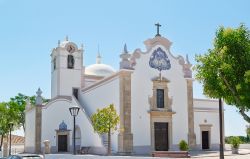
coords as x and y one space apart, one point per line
74 112
221 130
220 74
10 126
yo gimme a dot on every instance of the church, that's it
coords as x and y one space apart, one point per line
152 92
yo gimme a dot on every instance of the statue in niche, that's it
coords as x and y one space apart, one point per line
71 61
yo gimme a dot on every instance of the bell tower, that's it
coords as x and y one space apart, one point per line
66 69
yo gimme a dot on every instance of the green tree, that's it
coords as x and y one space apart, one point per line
7 115
225 69
19 102
105 121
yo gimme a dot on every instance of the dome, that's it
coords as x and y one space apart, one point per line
99 70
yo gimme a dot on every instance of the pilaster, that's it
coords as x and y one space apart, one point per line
125 137
38 128
191 134
38 121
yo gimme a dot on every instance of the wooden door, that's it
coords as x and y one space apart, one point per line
161 136
205 139
62 143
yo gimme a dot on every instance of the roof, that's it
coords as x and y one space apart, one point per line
15 139
100 70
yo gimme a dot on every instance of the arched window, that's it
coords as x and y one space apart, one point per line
71 61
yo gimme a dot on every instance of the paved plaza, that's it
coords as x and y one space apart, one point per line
244 153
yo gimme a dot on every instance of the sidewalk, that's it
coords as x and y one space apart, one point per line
243 154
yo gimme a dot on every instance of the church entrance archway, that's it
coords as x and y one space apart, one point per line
161 136
62 138
205 136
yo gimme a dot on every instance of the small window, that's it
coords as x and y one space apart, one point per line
71 61
160 98
75 92
54 63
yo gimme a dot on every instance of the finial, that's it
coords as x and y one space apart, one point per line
158 29
59 43
125 50
187 59
98 51
39 92
98 58
39 100
66 38
82 46
28 105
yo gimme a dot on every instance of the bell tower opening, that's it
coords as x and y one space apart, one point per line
71 61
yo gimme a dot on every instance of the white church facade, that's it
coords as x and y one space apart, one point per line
152 92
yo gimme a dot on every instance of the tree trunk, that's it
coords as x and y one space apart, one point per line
23 127
1 143
237 99
109 142
245 116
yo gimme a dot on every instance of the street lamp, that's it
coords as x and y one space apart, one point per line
74 112
10 126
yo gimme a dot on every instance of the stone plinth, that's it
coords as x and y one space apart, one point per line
5 149
46 146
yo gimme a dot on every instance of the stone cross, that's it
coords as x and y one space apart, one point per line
158 29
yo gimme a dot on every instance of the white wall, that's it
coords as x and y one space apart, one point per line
102 96
206 112
142 89
52 115
88 136
58 111
30 131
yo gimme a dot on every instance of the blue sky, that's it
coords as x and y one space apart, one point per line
30 29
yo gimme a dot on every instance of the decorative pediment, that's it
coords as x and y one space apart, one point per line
159 58
63 126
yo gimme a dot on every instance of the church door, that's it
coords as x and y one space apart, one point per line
161 136
62 143
205 140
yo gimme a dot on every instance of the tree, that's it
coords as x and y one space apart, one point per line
105 121
225 69
19 102
14 111
7 114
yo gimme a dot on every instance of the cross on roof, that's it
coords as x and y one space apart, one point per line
158 29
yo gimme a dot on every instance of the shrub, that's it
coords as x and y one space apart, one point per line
235 142
183 146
